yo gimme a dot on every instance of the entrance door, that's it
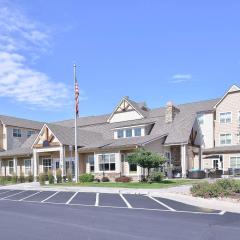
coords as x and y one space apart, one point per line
217 164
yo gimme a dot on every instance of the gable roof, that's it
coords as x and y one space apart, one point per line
20 122
23 150
66 135
137 107
233 88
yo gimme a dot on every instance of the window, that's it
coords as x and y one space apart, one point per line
30 132
70 167
238 117
132 167
91 163
200 118
129 132
235 162
17 132
225 139
120 133
137 132
107 162
10 167
226 117
47 164
27 166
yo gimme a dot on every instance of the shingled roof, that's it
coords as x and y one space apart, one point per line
95 132
20 122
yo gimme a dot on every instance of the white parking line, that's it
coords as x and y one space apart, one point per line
6 191
222 213
97 200
44 200
161 203
125 200
12 195
29 196
72 197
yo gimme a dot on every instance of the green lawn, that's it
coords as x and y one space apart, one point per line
163 184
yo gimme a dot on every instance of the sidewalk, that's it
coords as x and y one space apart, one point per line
179 193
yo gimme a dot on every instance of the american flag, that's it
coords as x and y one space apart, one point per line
76 98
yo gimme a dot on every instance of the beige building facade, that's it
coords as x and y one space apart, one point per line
199 135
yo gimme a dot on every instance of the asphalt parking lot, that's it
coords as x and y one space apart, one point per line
129 201
43 215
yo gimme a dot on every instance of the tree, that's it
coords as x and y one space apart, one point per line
146 159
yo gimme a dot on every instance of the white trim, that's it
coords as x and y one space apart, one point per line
40 134
123 99
225 118
225 139
226 93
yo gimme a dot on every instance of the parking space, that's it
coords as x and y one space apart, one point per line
113 200
131 201
40 196
9 193
60 197
84 198
142 201
20 195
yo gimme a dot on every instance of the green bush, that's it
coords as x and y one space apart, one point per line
21 178
9 178
30 177
69 175
156 177
14 179
220 188
42 178
86 177
3 180
59 175
50 177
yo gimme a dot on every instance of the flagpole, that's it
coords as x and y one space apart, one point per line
75 113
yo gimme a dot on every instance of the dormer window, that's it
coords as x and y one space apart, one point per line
120 133
129 132
137 132
17 132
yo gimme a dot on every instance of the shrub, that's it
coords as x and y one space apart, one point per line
50 177
156 177
123 179
30 177
42 178
14 178
59 175
21 178
9 178
69 175
2 180
86 177
105 179
220 188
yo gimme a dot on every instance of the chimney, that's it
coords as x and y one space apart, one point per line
171 112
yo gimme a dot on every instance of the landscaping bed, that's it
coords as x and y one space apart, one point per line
144 185
222 188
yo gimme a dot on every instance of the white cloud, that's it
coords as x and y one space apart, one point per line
21 41
180 78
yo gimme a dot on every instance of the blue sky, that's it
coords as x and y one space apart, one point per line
152 51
